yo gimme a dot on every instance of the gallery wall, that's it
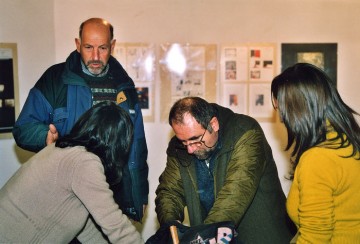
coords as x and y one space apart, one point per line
45 31
29 24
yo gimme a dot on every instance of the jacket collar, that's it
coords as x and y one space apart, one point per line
71 74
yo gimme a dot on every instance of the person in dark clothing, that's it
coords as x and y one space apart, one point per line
65 91
220 166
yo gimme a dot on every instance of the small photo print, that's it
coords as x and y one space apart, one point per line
268 64
143 97
315 58
235 97
260 105
230 70
255 74
255 53
230 52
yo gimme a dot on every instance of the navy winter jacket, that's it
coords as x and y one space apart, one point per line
60 97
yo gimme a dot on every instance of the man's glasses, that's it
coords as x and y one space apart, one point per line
195 143
198 143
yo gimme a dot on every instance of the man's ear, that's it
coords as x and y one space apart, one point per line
214 123
77 43
112 45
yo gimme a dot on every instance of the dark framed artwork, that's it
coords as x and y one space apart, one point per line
9 105
323 55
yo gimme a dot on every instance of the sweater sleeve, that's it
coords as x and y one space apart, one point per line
91 234
245 168
90 186
316 186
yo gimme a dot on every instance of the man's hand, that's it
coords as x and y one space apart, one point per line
52 134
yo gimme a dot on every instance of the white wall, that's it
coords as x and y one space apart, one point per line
45 32
30 24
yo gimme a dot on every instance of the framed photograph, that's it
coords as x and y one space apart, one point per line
246 74
234 63
260 106
235 97
145 98
138 59
322 55
262 58
186 70
9 102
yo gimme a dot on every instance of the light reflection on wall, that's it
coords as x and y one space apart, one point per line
175 59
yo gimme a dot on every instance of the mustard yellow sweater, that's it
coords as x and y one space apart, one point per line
324 199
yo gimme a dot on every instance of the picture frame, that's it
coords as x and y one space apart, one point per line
186 69
322 55
260 106
138 59
246 74
235 97
9 89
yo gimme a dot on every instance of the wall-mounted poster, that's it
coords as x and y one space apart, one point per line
322 55
261 63
9 105
245 68
186 70
138 59
235 64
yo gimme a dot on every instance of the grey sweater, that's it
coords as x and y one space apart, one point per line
51 197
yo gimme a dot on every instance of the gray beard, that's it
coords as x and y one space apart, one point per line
204 153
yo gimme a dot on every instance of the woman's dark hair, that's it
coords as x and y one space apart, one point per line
197 107
307 101
105 130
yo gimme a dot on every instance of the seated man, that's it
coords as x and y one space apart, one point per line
220 166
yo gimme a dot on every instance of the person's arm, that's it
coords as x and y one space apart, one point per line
141 152
90 186
135 183
91 234
245 169
316 175
31 128
170 199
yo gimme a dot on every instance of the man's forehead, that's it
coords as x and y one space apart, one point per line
96 31
189 121
188 129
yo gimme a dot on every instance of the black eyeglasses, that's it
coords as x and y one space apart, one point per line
195 143
198 143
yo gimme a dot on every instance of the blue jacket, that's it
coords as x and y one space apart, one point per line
60 97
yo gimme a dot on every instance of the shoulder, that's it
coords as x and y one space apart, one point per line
228 118
118 72
237 125
78 156
317 155
51 79
318 165
78 151
82 162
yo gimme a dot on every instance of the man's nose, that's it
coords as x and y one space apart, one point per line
95 54
191 148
